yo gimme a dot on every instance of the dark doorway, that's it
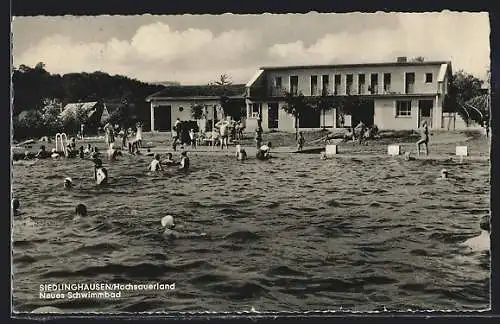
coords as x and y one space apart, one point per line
310 120
425 111
272 115
365 113
163 118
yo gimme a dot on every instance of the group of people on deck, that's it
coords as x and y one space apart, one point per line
130 139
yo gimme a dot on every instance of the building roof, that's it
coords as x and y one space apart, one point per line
199 92
410 63
72 108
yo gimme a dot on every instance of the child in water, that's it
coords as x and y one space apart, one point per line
42 153
263 152
155 165
184 163
100 173
241 154
169 161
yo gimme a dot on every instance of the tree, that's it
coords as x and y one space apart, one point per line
297 105
224 80
51 117
463 88
197 111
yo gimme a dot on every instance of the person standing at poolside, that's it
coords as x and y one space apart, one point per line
175 138
223 126
258 137
138 135
300 142
424 139
110 134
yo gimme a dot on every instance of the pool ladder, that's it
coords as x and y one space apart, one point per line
63 141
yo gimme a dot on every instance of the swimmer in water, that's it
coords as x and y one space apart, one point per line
264 152
68 183
482 241
408 157
15 206
323 155
100 173
88 150
184 163
54 154
241 154
81 152
167 222
169 161
81 210
155 165
42 153
444 175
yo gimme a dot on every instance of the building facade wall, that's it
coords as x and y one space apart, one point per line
179 108
397 78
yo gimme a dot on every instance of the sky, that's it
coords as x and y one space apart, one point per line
197 49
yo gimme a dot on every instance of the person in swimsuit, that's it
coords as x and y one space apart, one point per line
100 173
42 154
138 135
263 152
169 161
15 206
300 142
424 139
184 163
155 165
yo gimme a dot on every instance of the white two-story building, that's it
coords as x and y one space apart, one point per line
399 95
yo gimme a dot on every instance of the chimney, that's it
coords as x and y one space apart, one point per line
401 59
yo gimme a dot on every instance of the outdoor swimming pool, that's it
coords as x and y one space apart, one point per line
292 234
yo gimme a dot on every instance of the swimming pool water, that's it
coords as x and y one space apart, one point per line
292 234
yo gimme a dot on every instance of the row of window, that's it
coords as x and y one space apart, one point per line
373 88
403 108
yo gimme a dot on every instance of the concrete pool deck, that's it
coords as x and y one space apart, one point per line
251 151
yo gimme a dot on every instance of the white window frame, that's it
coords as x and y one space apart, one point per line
254 114
398 111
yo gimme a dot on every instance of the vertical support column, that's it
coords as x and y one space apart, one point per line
334 110
437 114
152 117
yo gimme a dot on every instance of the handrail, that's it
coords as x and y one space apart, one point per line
63 140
